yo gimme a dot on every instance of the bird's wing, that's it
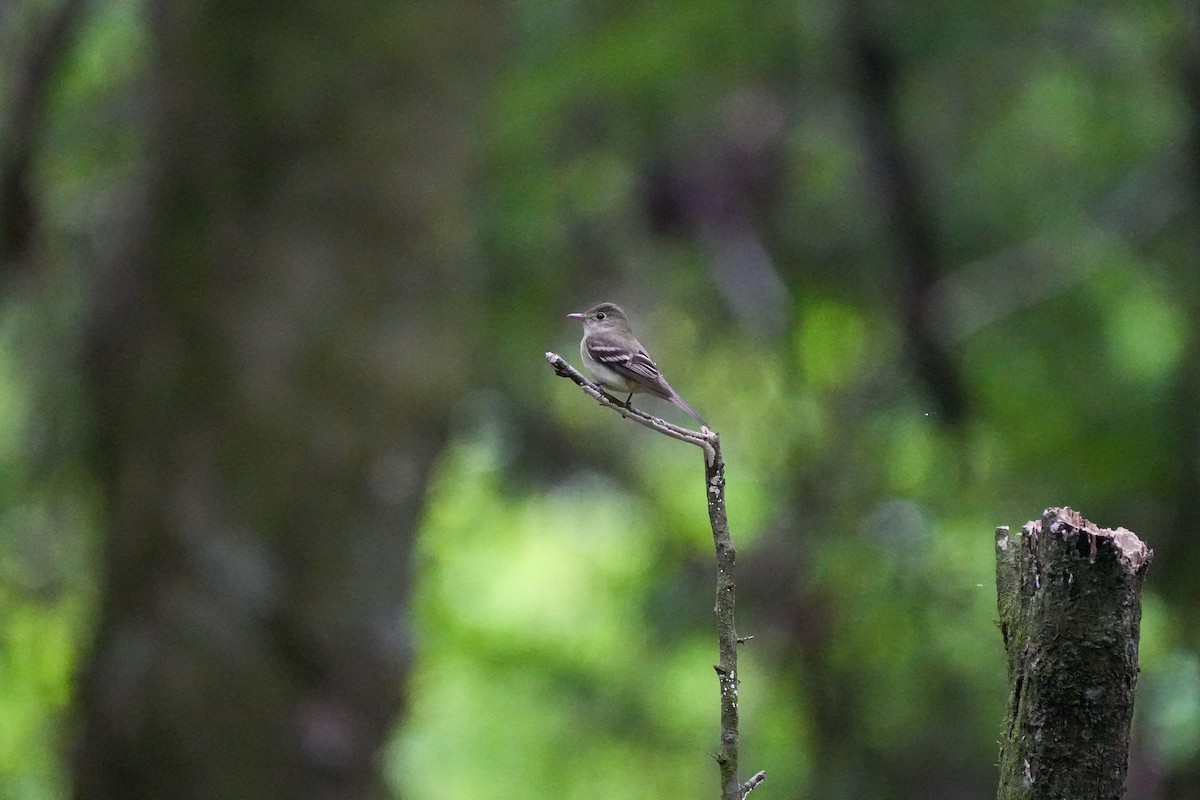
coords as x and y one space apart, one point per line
633 364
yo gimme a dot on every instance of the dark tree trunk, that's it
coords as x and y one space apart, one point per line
272 372
916 252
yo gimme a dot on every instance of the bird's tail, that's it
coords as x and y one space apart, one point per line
679 401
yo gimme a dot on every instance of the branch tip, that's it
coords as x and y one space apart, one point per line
753 782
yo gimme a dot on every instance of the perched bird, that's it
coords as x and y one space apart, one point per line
617 360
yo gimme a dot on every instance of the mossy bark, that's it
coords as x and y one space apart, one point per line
1070 609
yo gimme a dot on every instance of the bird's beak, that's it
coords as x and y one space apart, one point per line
576 315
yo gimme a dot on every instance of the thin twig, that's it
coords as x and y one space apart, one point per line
702 439
727 638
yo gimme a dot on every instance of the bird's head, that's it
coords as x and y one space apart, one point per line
606 316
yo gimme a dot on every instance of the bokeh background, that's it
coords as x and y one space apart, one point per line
292 506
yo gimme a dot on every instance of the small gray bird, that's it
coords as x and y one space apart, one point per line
617 360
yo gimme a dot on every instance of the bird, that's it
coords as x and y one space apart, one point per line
616 360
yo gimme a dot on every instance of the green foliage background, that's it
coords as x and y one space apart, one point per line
704 164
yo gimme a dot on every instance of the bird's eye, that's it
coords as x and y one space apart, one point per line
600 315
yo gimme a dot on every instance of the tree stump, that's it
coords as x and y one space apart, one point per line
1070 610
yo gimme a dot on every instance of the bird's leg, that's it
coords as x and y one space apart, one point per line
616 400
628 401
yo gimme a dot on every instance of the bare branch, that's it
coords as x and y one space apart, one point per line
702 439
727 638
